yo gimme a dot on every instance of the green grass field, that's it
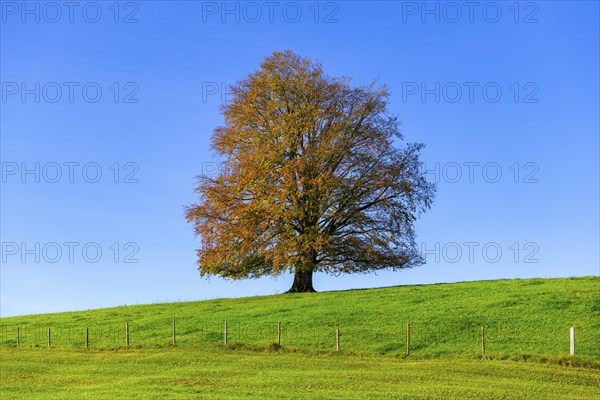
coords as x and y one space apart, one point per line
527 343
242 374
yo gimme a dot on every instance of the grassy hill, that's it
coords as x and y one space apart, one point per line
531 316
525 320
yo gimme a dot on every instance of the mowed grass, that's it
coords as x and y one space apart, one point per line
67 373
530 316
527 343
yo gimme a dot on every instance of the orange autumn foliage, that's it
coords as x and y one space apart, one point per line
317 178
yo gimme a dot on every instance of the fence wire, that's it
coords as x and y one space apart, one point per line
426 337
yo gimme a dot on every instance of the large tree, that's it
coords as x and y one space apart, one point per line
316 177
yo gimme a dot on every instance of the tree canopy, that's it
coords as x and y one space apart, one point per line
317 177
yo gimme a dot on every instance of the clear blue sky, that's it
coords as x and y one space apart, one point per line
496 89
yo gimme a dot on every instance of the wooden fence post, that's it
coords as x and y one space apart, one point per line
127 334
87 337
572 337
279 333
337 339
407 338
49 339
482 341
225 333
174 332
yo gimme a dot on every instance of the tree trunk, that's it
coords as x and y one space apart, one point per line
302 282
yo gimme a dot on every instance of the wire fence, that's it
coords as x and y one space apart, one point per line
412 337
